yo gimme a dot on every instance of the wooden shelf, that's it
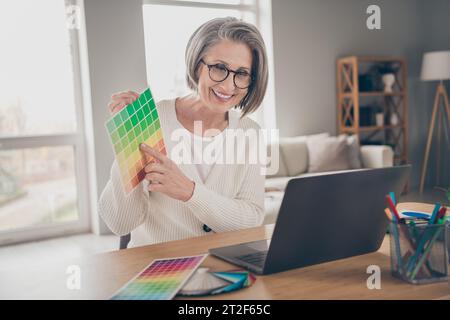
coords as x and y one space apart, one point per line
381 94
373 94
350 101
372 59
379 59
370 128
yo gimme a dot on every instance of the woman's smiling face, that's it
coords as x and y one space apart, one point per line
222 96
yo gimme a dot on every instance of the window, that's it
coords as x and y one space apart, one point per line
38 187
168 25
42 164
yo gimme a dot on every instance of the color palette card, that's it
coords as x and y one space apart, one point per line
134 124
161 279
204 283
239 279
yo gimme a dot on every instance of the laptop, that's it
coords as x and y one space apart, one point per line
323 218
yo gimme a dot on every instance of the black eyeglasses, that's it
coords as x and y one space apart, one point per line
219 72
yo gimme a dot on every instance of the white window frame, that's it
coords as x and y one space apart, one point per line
262 9
78 140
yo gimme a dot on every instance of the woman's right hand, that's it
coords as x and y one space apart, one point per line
120 100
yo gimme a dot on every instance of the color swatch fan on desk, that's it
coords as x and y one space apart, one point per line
204 283
161 280
135 124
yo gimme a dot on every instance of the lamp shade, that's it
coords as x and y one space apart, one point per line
436 66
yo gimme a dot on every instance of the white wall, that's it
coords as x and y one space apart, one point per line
115 39
437 27
309 35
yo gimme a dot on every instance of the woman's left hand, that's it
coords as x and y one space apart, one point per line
165 176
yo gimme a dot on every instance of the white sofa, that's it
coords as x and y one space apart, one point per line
293 163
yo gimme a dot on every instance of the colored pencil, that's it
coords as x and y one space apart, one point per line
427 251
392 207
434 215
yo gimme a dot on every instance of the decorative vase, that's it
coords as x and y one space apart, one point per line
394 119
388 81
379 119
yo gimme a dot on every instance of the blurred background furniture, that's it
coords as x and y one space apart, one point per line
436 67
369 87
295 160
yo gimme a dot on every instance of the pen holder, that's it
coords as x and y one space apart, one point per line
419 252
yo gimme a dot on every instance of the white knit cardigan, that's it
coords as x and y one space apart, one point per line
231 197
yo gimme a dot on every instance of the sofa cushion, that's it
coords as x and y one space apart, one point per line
271 154
295 154
328 154
277 183
294 151
377 156
354 153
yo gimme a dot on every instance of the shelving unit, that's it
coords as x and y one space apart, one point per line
350 100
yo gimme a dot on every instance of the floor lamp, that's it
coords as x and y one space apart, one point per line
436 67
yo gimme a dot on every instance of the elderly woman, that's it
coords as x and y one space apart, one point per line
226 69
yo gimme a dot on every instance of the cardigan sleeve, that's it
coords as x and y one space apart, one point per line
122 213
221 213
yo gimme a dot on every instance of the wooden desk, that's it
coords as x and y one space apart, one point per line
103 274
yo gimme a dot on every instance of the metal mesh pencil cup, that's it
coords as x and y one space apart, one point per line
419 252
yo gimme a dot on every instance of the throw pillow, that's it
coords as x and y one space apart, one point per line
354 156
328 154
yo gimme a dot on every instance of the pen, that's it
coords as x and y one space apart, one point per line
416 214
392 207
427 250
413 237
388 214
424 216
441 213
423 240
392 194
434 215
395 234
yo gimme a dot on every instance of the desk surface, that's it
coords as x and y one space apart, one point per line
103 274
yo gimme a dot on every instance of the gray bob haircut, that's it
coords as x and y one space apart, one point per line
217 30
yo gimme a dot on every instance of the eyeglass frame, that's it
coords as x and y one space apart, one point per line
228 73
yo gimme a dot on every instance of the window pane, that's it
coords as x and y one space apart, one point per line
37 187
165 43
36 77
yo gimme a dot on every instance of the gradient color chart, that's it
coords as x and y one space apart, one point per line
134 124
161 279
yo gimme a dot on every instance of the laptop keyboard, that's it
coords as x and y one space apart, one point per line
256 258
